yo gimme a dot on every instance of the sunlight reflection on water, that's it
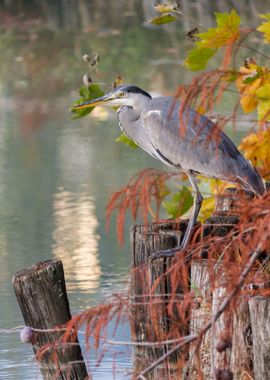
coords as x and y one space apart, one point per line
76 239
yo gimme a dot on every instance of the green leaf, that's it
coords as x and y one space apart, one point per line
226 32
224 20
265 16
198 58
90 92
163 19
125 140
231 76
179 203
252 77
84 92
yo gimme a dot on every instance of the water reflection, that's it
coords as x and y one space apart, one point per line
76 240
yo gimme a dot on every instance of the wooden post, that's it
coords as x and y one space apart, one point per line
216 347
200 314
221 336
241 357
151 288
42 297
259 308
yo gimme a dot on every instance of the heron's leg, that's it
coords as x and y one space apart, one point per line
197 203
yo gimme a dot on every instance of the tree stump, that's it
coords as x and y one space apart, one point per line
42 297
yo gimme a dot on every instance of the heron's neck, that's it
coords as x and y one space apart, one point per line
139 105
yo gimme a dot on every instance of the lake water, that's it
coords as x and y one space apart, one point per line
56 175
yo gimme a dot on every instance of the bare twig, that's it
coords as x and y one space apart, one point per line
187 339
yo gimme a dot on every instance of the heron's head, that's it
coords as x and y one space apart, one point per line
127 95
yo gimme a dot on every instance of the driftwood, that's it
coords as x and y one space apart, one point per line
42 297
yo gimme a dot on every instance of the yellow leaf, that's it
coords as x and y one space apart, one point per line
264 110
207 208
217 186
250 84
165 18
163 8
201 110
248 103
264 92
256 148
265 27
226 32
248 141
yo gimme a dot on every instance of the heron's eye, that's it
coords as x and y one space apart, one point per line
121 94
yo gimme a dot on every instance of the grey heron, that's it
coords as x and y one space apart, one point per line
189 142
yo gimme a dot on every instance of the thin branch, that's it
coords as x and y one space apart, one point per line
185 340
255 51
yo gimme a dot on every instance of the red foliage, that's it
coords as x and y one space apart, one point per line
229 265
137 196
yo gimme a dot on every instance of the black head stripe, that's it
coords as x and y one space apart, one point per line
133 89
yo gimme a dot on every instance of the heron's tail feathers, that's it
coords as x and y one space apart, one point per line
252 181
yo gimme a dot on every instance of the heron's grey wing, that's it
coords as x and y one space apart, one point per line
193 142
189 149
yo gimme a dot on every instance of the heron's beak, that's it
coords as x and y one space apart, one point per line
96 102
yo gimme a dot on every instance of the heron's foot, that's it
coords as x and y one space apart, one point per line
166 253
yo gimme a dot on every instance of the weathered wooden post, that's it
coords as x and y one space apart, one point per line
200 314
226 350
206 303
241 355
150 294
42 297
259 308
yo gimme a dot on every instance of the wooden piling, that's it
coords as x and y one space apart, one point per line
259 308
212 360
42 297
150 294
241 353
200 314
